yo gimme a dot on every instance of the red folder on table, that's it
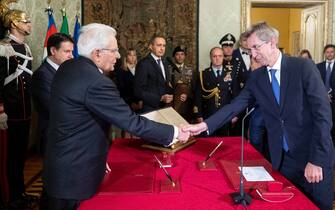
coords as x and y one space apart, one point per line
129 178
231 168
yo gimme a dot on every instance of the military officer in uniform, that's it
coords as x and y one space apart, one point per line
182 79
233 66
214 88
15 96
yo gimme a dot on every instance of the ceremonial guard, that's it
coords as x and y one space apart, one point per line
15 99
233 66
215 87
182 79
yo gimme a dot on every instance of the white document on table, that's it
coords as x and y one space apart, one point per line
256 174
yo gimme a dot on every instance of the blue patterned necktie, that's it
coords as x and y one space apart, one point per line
328 73
276 92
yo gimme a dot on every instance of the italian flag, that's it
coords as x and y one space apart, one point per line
51 30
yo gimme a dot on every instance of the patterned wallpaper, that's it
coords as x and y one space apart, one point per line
137 20
35 8
212 25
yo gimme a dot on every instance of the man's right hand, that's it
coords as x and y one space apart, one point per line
195 129
167 98
3 121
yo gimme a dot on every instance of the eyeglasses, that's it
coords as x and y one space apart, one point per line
258 46
115 50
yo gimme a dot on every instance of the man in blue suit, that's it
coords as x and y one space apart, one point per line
296 111
59 48
84 101
326 69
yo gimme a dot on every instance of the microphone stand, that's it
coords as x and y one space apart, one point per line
242 197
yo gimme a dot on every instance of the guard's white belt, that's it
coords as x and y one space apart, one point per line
20 68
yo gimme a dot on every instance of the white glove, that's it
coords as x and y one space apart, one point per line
3 121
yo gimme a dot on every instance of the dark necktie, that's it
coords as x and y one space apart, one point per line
218 73
328 73
159 64
276 92
245 53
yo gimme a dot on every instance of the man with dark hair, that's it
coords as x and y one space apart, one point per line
326 69
296 113
152 79
59 48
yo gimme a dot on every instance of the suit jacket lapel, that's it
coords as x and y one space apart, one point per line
332 77
284 80
51 69
155 65
323 71
244 67
166 70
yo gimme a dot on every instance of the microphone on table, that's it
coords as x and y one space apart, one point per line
242 197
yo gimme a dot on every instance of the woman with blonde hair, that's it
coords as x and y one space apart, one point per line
126 80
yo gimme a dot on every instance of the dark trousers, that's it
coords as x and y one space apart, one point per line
321 193
62 204
332 104
18 136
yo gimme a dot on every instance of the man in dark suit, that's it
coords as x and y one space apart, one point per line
84 101
255 123
242 54
328 76
59 48
296 112
152 79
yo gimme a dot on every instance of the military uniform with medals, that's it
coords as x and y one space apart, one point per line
212 92
182 81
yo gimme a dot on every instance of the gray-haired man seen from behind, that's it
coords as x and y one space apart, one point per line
84 103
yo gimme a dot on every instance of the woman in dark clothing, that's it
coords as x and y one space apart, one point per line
126 80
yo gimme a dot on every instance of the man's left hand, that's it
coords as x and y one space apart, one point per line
313 173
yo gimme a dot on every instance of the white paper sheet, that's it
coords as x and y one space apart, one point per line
256 174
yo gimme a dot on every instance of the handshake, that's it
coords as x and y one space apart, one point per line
187 130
